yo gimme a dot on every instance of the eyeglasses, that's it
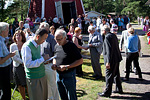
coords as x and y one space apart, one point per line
59 39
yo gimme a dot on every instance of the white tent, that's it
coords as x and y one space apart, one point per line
92 14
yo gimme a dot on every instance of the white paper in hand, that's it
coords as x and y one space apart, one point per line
50 59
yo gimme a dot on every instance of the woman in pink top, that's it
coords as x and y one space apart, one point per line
70 33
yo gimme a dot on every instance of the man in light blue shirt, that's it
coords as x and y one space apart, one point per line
5 61
132 54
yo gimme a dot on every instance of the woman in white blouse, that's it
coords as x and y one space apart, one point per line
18 68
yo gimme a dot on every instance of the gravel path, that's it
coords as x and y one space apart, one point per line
134 89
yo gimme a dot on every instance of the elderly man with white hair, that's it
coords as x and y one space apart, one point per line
95 45
48 48
5 61
67 58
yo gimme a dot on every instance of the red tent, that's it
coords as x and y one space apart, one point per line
64 9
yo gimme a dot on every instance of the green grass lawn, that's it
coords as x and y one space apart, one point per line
87 86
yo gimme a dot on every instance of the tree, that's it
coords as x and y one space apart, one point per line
136 8
16 9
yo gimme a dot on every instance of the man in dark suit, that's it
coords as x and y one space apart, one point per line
112 58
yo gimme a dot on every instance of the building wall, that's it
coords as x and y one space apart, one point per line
35 8
50 10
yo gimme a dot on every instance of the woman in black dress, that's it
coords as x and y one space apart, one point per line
77 41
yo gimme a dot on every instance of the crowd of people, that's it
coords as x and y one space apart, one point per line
145 24
46 56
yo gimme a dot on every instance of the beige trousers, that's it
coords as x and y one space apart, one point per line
37 88
51 82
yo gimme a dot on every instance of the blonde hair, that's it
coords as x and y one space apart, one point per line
77 30
131 30
52 27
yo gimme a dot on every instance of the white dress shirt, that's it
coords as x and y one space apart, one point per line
27 56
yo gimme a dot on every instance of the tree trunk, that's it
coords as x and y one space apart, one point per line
21 10
94 4
2 10
102 6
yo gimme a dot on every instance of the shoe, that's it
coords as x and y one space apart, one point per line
79 75
98 77
130 71
140 79
136 72
126 79
120 92
103 95
94 76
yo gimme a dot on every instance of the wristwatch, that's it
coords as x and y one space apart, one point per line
66 68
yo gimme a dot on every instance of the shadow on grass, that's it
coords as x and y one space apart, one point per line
13 87
80 93
88 75
89 63
141 96
130 96
134 81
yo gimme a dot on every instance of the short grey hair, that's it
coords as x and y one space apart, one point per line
3 26
44 25
61 32
91 28
106 28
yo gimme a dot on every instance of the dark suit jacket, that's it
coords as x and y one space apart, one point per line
111 52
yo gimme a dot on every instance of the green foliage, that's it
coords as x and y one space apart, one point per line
17 9
133 8
136 8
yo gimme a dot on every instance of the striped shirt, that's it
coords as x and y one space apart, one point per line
114 28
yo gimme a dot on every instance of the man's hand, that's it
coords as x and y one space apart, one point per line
12 54
90 45
63 67
107 65
54 67
120 49
85 48
46 56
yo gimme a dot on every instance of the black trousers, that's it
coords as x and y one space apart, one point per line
113 75
5 83
133 57
79 70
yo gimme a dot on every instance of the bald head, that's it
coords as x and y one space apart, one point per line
128 26
106 28
44 25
